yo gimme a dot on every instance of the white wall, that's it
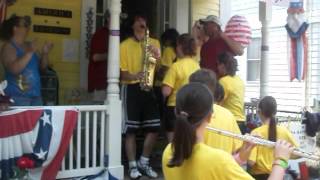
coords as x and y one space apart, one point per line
179 15
289 95
314 54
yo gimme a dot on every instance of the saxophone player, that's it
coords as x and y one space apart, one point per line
141 109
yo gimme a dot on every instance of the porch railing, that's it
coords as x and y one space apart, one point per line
88 145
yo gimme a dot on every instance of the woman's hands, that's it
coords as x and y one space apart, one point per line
46 48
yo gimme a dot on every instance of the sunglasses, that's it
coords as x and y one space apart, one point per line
25 22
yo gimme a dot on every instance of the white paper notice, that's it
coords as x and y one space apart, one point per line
70 50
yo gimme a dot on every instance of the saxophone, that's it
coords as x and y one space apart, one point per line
149 65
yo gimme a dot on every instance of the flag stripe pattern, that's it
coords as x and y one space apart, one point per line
44 139
239 30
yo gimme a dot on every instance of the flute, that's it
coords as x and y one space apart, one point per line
263 142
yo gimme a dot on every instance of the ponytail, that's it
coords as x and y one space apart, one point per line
268 107
183 141
272 131
193 106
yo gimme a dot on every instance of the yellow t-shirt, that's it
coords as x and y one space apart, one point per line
205 163
233 96
168 56
223 119
178 75
131 54
263 156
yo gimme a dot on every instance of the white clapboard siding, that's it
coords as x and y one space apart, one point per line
314 52
289 95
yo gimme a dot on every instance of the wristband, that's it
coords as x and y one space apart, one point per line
282 163
284 159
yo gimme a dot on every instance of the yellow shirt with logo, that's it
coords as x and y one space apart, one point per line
222 119
178 75
168 56
131 56
263 156
233 95
205 163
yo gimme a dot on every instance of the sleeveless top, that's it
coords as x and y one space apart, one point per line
27 82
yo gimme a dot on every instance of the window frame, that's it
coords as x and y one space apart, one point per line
253 60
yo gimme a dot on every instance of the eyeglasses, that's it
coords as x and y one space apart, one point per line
24 25
25 22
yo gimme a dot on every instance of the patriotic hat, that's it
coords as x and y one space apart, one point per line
239 30
295 7
211 18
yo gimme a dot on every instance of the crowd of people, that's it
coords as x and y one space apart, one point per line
196 86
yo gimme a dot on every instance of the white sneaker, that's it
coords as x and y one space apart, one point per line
134 173
147 170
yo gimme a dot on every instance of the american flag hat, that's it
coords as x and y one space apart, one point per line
295 7
239 30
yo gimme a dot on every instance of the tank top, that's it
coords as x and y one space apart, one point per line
27 82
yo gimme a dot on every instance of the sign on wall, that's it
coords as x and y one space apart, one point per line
52 12
51 29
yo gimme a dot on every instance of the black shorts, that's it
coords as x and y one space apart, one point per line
160 101
141 110
169 119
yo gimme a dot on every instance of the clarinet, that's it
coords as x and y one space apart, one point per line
263 142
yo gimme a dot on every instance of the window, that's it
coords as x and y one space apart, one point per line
164 15
253 62
100 14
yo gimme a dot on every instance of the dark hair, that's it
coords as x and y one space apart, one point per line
219 93
188 44
209 78
170 35
229 62
137 15
206 77
6 29
126 29
193 104
268 108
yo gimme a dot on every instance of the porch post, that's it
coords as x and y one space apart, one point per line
265 12
113 144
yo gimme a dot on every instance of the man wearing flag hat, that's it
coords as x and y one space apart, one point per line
217 44
296 28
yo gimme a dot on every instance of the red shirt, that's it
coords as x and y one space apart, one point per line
97 71
210 52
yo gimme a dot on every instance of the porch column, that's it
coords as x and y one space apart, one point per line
265 12
113 144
